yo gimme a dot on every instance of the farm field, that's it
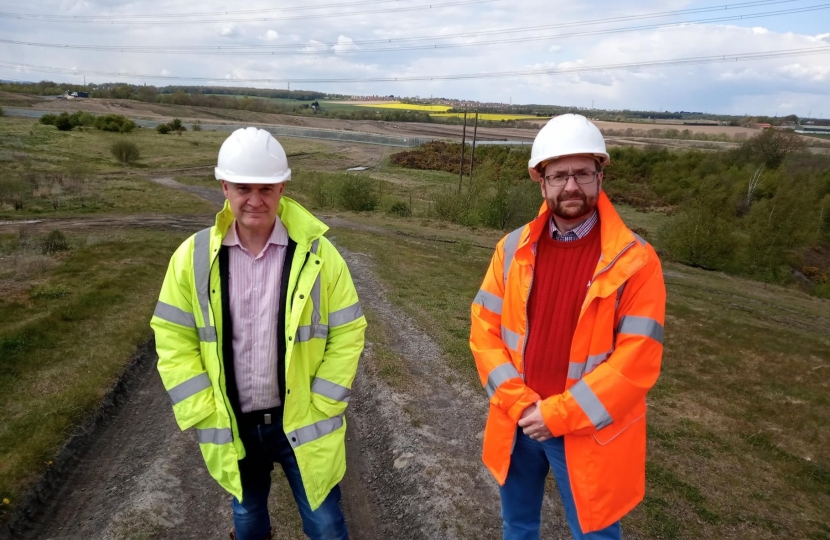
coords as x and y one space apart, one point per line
739 423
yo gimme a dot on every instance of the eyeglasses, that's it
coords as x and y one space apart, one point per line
559 180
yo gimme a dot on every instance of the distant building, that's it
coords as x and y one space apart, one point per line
764 126
813 130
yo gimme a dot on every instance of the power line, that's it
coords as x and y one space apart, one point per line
68 19
323 48
35 16
720 58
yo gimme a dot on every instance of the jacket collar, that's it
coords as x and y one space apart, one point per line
617 240
302 226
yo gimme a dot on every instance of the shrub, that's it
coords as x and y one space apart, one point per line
63 122
126 152
115 123
164 129
48 119
698 237
357 193
400 209
1 111
196 127
54 242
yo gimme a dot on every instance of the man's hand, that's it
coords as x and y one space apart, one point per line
533 425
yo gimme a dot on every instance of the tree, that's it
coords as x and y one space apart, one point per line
771 146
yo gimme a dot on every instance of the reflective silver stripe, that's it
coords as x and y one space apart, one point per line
575 370
316 430
489 301
174 315
307 332
591 405
189 388
511 243
510 338
207 334
641 326
201 273
214 435
315 300
594 360
345 315
315 245
640 239
499 376
330 390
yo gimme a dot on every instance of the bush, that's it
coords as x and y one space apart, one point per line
164 129
63 122
126 152
357 193
115 123
66 121
54 242
400 209
48 119
698 237
196 127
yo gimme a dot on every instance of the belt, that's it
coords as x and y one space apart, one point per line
263 416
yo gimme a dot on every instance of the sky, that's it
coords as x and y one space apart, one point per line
326 39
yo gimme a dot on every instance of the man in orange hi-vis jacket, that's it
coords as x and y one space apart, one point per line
567 334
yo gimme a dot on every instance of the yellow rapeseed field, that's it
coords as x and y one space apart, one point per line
490 116
408 107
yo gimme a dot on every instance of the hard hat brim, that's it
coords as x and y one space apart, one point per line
237 179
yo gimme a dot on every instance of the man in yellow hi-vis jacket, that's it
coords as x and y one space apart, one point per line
259 331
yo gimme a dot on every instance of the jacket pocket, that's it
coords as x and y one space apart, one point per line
608 434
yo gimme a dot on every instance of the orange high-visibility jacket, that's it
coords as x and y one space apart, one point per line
614 361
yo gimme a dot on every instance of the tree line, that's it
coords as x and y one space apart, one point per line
761 210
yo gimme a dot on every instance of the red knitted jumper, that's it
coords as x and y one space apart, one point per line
560 283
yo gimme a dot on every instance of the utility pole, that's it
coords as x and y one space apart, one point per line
473 153
463 143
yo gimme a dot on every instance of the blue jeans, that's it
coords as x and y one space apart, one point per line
522 493
264 445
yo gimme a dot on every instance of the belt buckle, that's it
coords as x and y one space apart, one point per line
267 419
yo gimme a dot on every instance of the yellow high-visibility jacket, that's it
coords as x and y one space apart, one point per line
324 327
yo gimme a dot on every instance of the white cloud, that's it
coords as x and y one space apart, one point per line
344 44
231 30
165 72
757 87
314 46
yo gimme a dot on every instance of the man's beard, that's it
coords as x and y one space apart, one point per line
573 212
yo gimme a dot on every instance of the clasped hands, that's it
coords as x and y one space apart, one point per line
533 424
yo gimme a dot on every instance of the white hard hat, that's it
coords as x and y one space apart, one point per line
252 156
568 135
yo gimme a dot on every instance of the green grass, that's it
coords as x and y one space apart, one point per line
68 324
739 422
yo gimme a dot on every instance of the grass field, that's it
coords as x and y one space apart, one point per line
739 422
406 106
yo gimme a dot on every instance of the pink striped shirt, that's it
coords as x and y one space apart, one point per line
254 290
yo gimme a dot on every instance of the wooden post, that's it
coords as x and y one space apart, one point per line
473 153
463 143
